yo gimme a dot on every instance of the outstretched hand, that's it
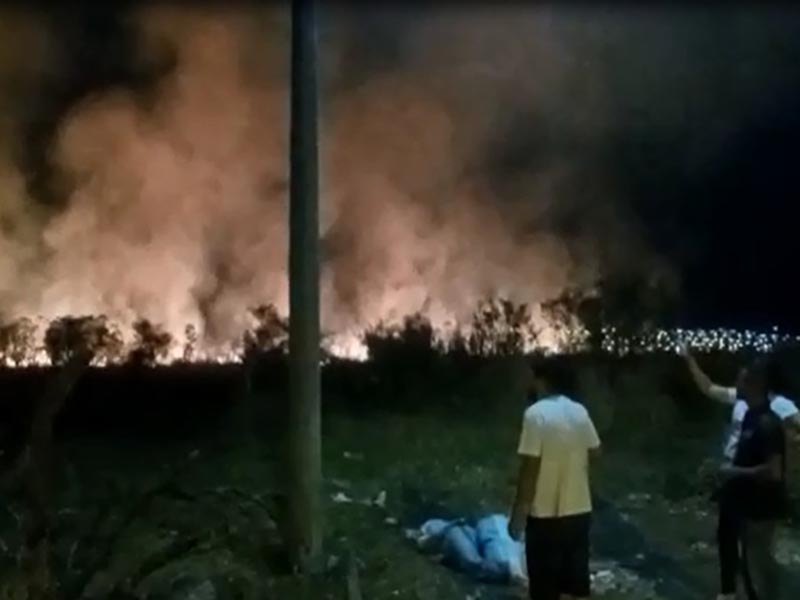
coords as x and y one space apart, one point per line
683 349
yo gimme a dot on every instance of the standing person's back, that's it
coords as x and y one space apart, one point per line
553 489
559 431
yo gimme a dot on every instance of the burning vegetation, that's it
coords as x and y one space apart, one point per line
497 328
145 179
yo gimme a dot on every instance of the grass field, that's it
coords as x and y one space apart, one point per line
138 519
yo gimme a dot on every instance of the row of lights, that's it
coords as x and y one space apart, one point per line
699 340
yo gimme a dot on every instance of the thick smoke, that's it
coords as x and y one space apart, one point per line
25 57
459 159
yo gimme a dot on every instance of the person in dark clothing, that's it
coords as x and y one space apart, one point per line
754 492
728 520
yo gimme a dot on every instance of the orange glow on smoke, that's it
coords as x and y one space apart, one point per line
174 202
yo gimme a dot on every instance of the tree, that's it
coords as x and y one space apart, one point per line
411 343
576 324
90 336
402 356
267 337
625 306
152 344
17 341
270 331
501 328
190 344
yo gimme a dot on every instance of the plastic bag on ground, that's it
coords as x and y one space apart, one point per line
431 535
460 549
503 558
486 552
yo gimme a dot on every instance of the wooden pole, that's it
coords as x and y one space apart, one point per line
305 448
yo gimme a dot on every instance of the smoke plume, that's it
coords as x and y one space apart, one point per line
452 169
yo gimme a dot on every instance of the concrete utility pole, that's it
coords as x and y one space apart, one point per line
305 446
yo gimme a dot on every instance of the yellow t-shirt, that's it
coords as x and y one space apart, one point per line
560 433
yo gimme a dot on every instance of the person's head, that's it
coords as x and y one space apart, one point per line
549 376
754 386
776 376
741 375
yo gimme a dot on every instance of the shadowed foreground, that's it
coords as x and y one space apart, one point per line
163 498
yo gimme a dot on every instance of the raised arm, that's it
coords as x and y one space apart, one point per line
726 395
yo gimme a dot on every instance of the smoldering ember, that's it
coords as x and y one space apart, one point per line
532 220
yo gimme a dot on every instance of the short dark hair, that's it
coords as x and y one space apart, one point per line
776 375
554 371
758 373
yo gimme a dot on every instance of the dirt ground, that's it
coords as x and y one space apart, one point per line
196 518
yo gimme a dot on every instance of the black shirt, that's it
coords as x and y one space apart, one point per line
762 438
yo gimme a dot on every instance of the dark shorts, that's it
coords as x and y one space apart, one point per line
557 551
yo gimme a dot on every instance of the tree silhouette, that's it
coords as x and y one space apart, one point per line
269 333
267 338
574 317
457 347
17 341
410 343
501 328
152 344
629 304
93 338
403 356
190 344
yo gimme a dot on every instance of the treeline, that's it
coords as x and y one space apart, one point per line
498 327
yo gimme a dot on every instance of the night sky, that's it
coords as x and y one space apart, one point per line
727 216
701 144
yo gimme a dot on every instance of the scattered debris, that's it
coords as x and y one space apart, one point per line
610 577
639 498
787 551
341 498
203 591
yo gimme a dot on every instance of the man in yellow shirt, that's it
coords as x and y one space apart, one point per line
553 501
